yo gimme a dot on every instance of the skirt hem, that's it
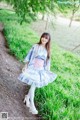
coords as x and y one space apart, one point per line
30 82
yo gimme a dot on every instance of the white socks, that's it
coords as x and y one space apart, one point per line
31 94
29 100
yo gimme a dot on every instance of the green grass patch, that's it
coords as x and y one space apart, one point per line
59 100
19 37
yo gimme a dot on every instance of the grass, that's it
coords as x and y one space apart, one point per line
19 36
59 100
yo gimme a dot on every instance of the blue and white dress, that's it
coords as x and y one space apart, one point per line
38 70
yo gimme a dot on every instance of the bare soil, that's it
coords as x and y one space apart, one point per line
12 91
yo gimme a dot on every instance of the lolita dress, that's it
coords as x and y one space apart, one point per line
38 70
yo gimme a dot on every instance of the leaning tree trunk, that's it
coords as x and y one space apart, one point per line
46 25
74 11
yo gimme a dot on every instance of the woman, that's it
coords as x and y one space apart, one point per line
37 69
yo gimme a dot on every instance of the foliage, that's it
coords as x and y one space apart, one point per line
66 6
30 7
25 8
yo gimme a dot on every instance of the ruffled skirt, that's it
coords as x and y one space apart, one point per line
40 77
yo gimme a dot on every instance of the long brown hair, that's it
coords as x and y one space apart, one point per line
47 46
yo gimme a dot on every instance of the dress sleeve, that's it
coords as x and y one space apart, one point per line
47 67
28 57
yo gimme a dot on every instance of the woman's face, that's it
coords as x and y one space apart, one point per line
44 40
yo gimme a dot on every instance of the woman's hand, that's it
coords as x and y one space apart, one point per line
25 67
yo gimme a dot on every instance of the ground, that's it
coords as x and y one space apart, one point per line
12 91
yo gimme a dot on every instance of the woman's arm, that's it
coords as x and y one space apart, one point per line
47 66
28 57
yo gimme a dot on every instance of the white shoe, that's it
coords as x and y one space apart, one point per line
27 101
33 110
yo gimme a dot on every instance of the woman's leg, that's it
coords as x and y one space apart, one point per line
31 96
31 93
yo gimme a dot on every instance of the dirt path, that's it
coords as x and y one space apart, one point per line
12 91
